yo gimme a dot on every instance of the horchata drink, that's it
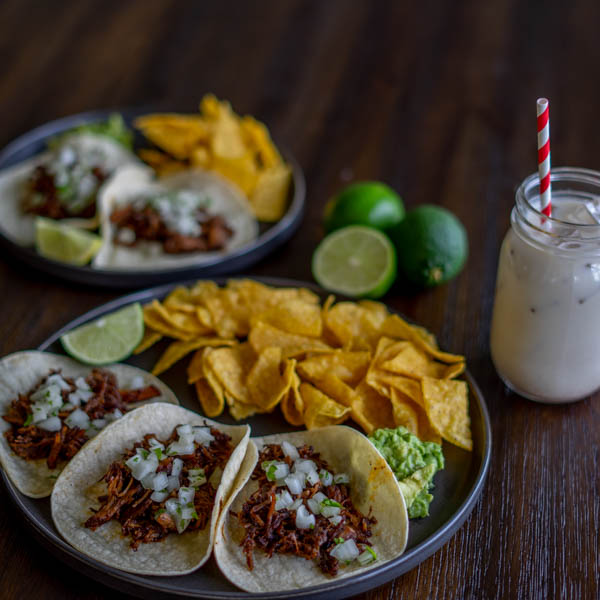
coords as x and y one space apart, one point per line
545 335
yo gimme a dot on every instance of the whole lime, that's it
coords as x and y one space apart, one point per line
432 245
369 203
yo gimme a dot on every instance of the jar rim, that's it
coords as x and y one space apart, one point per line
559 174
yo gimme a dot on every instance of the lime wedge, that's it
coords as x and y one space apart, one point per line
355 261
108 339
65 243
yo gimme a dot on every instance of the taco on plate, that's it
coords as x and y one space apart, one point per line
145 494
313 506
62 183
51 405
188 218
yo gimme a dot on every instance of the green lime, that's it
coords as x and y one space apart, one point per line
65 243
108 339
355 261
432 245
364 203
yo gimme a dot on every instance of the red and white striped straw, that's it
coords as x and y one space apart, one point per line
543 144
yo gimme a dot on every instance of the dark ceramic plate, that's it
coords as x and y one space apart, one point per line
457 489
271 235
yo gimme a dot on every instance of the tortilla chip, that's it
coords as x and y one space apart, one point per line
295 316
150 338
396 327
371 410
350 367
319 409
153 317
454 370
268 198
292 405
265 381
228 312
447 406
405 412
177 350
262 336
240 170
407 359
212 405
258 139
335 388
405 385
195 370
356 327
231 367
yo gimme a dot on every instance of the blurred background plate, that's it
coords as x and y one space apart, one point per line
271 235
457 489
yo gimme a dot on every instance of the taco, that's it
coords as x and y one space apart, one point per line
62 183
187 218
314 506
144 495
51 405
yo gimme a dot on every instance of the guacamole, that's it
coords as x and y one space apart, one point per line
414 463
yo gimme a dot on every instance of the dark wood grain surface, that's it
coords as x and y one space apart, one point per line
436 99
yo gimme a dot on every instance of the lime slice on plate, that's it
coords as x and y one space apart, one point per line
65 243
355 261
108 339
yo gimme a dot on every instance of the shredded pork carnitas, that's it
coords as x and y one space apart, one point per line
147 225
31 442
129 503
42 196
275 531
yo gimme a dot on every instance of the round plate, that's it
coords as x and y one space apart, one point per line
457 488
271 235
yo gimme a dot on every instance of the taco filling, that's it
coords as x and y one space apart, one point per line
66 184
160 487
178 220
302 508
57 416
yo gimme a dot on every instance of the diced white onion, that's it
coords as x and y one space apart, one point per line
312 477
184 430
283 500
202 435
346 551
281 470
367 557
176 466
99 423
92 432
297 503
79 396
341 478
117 414
294 484
160 482
326 477
304 466
180 448
159 496
319 497
39 414
137 382
78 418
314 506
290 450
50 424
171 506
303 518
148 481
173 483
67 406
335 520
57 379
330 511
141 468
81 384
196 477
186 495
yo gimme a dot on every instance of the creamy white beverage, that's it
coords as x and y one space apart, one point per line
545 335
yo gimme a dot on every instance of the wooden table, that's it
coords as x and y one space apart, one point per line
435 98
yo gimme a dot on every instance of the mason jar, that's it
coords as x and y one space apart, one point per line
545 334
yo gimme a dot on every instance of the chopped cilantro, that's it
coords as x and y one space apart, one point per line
160 511
329 502
339 540
158 453
28 420
312 526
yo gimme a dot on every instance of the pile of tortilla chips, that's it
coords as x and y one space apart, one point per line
239 148
256 347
